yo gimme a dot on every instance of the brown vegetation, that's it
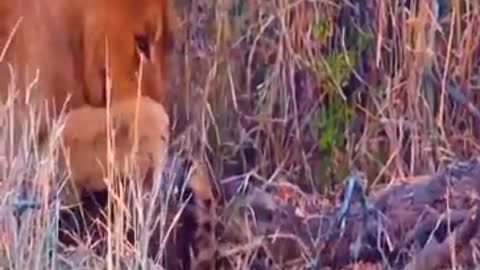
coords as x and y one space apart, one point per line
284 99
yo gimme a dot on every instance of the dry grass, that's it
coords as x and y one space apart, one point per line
30 205
302 90
314 88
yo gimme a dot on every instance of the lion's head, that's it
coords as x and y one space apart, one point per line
125 39
75 45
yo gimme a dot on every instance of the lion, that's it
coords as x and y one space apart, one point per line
144 26
70 54
63 54
72 47
83 58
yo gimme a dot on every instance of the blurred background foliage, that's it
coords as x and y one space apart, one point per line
311 89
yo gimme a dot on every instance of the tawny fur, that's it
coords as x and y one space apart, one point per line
115 31
75 44
139 140
73 47
63 46
39 53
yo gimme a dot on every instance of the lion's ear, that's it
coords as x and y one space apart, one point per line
169 24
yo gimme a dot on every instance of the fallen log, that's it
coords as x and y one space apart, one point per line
428 223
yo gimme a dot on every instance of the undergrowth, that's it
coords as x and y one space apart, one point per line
299 90
315 88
